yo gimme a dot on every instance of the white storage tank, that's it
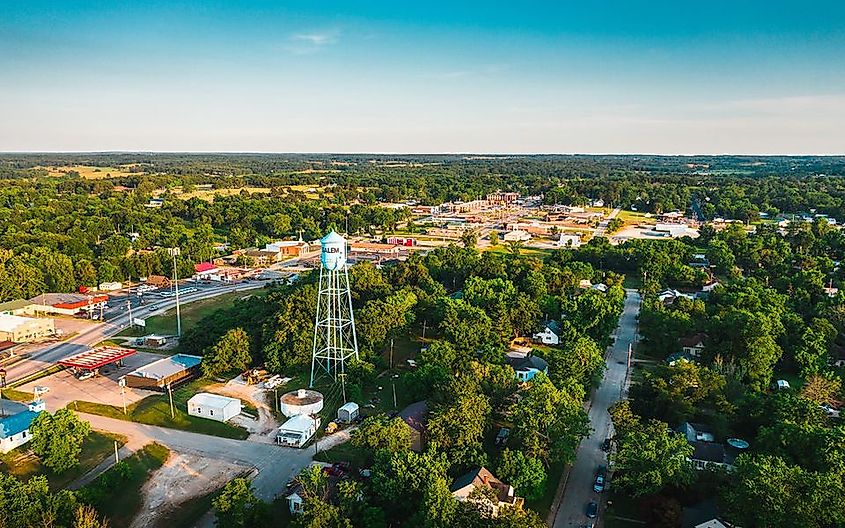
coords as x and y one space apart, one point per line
301 402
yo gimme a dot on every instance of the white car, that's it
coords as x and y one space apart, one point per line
830 411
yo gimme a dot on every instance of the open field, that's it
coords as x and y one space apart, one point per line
209 194
192 313
634 217
91 173
155 410
96 448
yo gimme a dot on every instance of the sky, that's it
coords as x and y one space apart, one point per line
605 76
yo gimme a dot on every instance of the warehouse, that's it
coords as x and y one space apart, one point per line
24 329
163 372
214 406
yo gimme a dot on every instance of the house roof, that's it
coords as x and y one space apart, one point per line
693 340
17 304
554 326
16 423
527 362
204 266
416 415
301 423
483 477
166 367
211 400
711 452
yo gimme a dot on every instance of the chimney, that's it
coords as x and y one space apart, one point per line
485 479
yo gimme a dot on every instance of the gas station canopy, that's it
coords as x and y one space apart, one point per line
96 357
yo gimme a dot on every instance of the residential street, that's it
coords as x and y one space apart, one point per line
275 464
603 224
579 486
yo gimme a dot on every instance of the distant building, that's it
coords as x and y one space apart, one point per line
693 345
516 236
206 271
289 248
416 416
504 494
373 248
154 203
68 303
17 307
158 281
25 329
573 241
14 429
463 207
402 241
214 406
502 198
163 372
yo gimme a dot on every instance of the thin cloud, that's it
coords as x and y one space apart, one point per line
304 43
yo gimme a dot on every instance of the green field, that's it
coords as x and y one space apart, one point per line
96 448
117 492
155 410
192 313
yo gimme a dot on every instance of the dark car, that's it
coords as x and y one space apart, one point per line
605 446
592 510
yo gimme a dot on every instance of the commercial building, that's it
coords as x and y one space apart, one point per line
17 307
288 248
370 248
502 198
163 372
402 241
206 271
214 406
573 241
24 329
516 236
68 303
14 429
297 430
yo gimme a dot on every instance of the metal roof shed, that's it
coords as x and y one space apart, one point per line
348 413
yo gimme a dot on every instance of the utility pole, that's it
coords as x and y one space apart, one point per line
393 382
424 324
116 457
122 384
391 352
175 251
170 394
129 306
343 385
316 438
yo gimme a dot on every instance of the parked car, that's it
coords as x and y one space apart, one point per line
830 411
592 510
601 473
84 375
605 446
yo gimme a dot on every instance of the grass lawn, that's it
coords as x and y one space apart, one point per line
155 410
97 447
634 217
16 395
345 452
117 492
192 313
622 512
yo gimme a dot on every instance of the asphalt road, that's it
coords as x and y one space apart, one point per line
579 486
116 320
603 224
275 464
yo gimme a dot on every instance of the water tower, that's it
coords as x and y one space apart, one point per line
335 340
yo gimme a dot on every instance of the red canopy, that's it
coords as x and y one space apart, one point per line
96 357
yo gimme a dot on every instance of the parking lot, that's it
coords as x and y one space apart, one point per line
65 388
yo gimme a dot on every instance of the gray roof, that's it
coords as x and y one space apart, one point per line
17 304
416 415
529 361
554 326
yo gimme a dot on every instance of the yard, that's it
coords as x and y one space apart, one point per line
192 313
155 410
97 447
635 217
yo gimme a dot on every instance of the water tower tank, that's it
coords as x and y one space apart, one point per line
299 402
333 254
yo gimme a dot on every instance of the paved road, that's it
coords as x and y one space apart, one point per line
603 224
275 464
115 322
579 486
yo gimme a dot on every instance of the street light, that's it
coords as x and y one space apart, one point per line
174 252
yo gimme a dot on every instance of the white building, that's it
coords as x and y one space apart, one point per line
14 429
673 230
516 236
573 241
214 406
550 334
24 329
297 430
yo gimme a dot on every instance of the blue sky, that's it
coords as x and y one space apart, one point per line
373 76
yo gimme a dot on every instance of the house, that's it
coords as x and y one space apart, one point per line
699 260
213 406
505 496
348 413
206 271
159 374
693 345
705 514
17 307
24 329
550 334
526 366
14 429
695 432
297 430
416 416
710 455
669 296
710 286
154 203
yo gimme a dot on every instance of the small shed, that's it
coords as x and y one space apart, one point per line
348 413
214 406
297 430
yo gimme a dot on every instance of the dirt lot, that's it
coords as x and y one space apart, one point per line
182 477
262 429
64 387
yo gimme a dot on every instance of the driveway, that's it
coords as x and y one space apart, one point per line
579 486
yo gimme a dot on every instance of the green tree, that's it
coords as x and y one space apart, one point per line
527 475
494 238
230 353
237 505
459 428
57 438
87 517
379 432
31 503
